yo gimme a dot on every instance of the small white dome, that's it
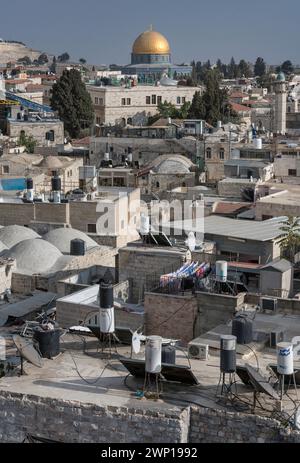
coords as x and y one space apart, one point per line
14 234
62 237
34 256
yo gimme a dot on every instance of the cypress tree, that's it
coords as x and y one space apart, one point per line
73 103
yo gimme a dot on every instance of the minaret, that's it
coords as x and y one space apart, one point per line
280 104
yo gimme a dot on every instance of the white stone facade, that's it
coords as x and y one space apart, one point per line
120 105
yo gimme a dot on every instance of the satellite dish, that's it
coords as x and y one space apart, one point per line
27 351
136 342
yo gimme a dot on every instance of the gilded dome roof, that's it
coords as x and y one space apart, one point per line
151 42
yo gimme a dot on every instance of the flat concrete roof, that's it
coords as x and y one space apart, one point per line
59 378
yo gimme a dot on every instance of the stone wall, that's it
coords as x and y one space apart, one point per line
16 214
215 309
217 426
38 131
170 315
22 284
75 422
67 421
144 266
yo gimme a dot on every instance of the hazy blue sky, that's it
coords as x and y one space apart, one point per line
103 31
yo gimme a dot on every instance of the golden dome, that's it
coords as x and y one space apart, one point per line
151 43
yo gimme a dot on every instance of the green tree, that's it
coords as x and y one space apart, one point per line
43 59
244 69
260 67
286 67
28 141
213 105
289 240
73 103
82 61
53 65
25 60
64 58
232 69
197 109
265 81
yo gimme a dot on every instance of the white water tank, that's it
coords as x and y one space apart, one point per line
145 225
107 320
106 156
153 354
29 195
257 143
219 124
129 157
221 270
56 197
285 358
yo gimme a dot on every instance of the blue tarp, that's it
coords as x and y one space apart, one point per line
12 184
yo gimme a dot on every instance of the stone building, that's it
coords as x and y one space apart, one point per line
133 106
46 132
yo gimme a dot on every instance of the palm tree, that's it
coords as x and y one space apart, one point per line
289 240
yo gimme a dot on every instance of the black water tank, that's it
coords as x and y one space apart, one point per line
56 183
106 296
228 354
48 341
168 355
242 328
77 247
29 184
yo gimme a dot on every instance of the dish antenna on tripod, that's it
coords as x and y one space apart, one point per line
27 352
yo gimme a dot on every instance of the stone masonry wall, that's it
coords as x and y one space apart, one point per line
68 421
178 312
218 426
144 267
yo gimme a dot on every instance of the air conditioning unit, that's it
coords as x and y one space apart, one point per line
268 303
197 350
276 337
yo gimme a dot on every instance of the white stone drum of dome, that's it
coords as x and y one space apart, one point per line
153 354
285 358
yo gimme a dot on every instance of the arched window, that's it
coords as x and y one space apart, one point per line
157 185
129 121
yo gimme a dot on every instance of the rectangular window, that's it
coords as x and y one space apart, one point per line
148 100
123 101
98 120
129 101
101 101
159 100
208 153
6 169
96 100
178 100
292 173
222 154
153 99
183 99
91 228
